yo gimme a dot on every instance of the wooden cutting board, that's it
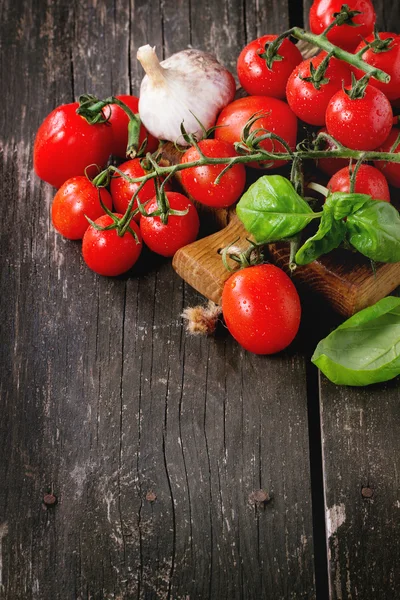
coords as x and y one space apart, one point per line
346 280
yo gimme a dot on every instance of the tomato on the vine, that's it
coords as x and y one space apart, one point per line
261 308
391 170
108 253
119 122
362 123
122 190
166 239
309 89
65 145
254 74
345 36
386 58
199 181
76 199
275 116
369 181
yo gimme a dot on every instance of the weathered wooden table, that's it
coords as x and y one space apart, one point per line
156 444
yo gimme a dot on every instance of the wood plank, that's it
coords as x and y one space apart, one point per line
361 454
152 441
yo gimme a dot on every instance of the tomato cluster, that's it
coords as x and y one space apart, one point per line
260 304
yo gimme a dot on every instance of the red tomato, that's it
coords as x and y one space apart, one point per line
122 191
76 198
390 170
345 36
119 121
66 144
361 124
255 76
330 166
276 117
199 181
309 101
179 231
388 60
107 253
368 181
261 308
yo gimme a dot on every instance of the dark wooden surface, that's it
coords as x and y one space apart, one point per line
155 442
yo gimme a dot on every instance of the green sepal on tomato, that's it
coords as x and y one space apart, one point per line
275 116
385 55
77 199
256 77
311 86
179 230
361 123
108 253
66 146
261 308
347 35
200 182
119 120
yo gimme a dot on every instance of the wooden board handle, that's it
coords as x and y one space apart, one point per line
200 263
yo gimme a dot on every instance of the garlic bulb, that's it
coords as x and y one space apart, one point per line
188 85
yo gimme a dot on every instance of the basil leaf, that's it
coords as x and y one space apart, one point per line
330 235
365 349
344 204
271 209
374 230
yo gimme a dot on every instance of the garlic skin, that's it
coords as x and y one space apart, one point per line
188 84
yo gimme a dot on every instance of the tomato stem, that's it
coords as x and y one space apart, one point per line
91 108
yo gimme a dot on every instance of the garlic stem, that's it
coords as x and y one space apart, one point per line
147 57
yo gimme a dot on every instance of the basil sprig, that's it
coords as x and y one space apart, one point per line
365 349
271 210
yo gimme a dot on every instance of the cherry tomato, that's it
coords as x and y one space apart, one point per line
361 124
199 182
107 253
390 170
122 191
330 166
254 74
76 198
119 121
387 60
66 144
345 36
276 117
261 308
179 231
308 100
368 181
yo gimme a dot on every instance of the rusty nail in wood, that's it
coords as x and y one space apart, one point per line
367 492
49 499
151 496
259 497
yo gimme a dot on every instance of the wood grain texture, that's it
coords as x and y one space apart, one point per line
152 441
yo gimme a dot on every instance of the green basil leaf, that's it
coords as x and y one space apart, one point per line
365 349
344 204
330 235
271 209
374 230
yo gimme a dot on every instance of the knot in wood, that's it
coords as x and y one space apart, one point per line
259 497
151 496
49 500
367 492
